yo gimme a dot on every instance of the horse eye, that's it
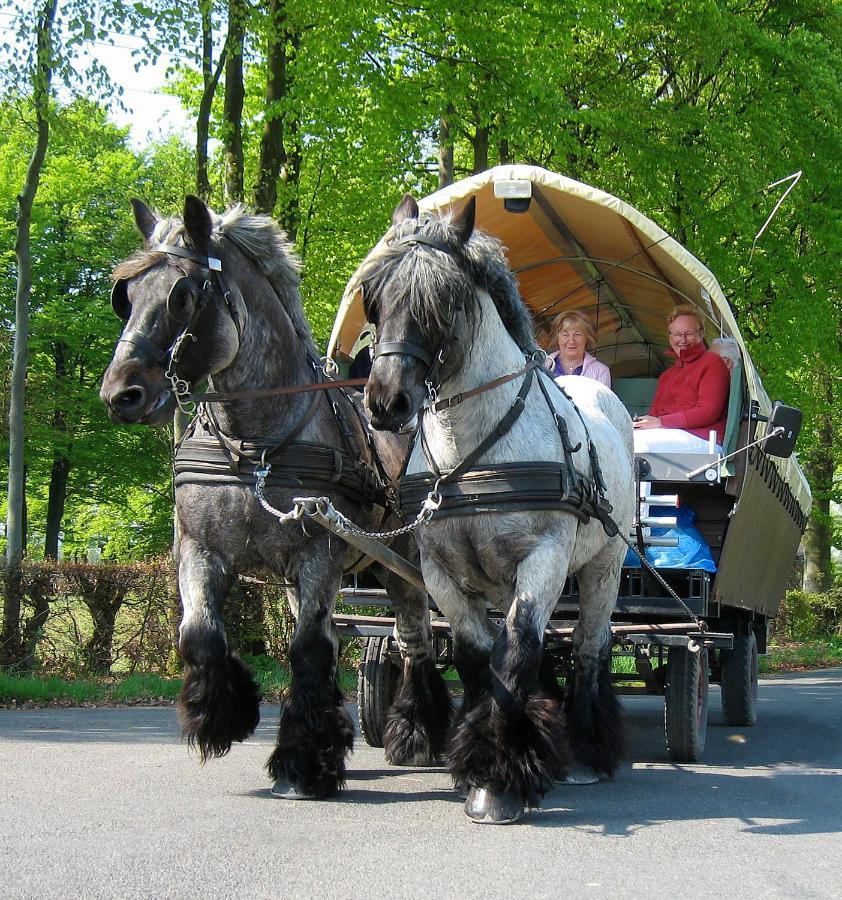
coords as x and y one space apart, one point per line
180 297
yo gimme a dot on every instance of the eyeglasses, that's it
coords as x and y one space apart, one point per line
570 334
686 335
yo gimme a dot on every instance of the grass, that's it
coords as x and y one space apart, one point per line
30 690
34 691
273 678
786 656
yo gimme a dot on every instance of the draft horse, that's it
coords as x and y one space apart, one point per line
217 298
525 475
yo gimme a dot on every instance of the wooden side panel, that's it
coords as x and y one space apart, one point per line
761 541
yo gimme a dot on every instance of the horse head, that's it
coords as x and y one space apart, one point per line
420 288
414 289
181 321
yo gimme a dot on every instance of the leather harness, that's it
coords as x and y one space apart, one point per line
470 489
206 455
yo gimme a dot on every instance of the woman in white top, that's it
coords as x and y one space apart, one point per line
575 335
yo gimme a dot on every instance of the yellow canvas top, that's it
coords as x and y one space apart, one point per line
577 247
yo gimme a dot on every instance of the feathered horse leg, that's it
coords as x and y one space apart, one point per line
511 745
419 718
594 713
315 732
219 702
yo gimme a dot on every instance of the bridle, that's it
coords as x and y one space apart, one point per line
433 360
205 290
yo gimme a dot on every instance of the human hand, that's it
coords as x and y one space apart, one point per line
646 422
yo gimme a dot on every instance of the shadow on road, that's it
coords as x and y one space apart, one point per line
781 777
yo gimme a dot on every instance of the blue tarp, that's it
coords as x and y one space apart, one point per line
692 551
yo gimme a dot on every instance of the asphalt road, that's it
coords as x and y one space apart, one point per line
108 803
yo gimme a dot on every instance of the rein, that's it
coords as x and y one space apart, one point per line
278 391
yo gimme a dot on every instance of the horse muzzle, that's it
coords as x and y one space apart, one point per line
137 403
392 412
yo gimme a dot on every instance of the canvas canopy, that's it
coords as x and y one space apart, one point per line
573 246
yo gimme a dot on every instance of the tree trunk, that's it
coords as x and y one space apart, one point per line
10 641
445 149
272 151
210 79
34 626
98 649
55 503
480 145
61 466
233 105
818 568
289 175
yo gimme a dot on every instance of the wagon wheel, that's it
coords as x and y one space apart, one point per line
740 669
686 703
377 684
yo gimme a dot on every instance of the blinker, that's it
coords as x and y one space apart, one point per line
120 300
178 298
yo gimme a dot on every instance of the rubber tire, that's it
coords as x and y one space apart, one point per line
377 684
740 670
686 703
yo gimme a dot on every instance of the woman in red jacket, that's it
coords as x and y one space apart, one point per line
692 395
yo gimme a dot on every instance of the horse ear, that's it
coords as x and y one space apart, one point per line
406 209
463 221
198 223
144 218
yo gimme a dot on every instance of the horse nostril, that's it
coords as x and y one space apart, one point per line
129 399
399 406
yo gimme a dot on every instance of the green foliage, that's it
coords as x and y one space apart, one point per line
805 617
31 691
813 654
117 482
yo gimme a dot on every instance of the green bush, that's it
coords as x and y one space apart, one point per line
805 616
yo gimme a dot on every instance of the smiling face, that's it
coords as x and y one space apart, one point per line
572 341
684 332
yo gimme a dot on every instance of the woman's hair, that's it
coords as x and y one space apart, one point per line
579 320
686 309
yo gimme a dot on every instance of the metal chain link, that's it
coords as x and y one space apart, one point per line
307 506
296 513
645 562
343 523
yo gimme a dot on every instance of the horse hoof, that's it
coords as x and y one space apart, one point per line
581 774
487 808
286 790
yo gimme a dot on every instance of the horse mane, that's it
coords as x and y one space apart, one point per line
258 237
434 284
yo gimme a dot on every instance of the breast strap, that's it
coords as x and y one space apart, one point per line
201 458
468 489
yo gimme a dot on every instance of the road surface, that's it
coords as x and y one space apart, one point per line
109 803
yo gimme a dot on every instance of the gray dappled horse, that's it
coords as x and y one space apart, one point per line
450 319
217 298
